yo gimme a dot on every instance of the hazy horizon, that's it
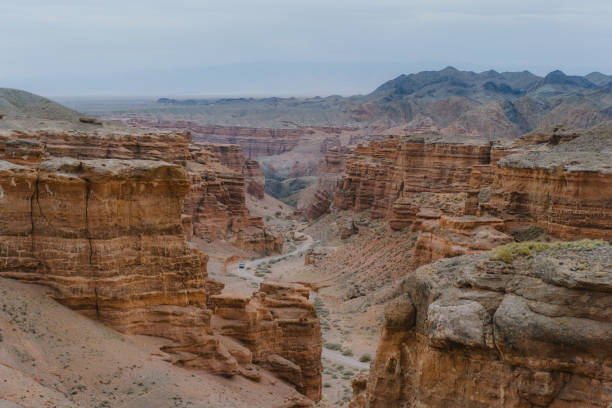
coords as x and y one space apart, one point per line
301 48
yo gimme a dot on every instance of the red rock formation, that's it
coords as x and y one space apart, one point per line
380 173
216 203
566 193
329 173
448 236
280 328
474 331
231 156
106 235
170 147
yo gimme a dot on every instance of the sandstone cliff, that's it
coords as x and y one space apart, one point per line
557 178
107 236
280 328
220 175
527 325
382 172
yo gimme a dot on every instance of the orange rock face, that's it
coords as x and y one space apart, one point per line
217 201
106 235
379 174
477 332
280 328
449 236
231 156
219 175
169 147
568 194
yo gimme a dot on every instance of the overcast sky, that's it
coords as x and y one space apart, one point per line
282 47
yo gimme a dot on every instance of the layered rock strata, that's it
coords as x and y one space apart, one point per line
280 328
379 174
568 193
217 202
220 175
106 236
561 183
528 325
169 147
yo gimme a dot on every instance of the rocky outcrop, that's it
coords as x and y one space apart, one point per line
231 156
448 236
106 236
558 179
280 328
329 173
319 205
568 193
217 203
220 175
169 147
379 174
527 325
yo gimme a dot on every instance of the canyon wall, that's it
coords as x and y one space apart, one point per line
523 326
220 176
382 172
560 183
329 173
279 326
107 237
255 141
569 194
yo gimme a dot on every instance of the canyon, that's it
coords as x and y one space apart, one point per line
488 330
109 237
470 270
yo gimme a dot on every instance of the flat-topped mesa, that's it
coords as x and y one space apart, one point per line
279 326
106 236
527 325
379 174
567 193
169 147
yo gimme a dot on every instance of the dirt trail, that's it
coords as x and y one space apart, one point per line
247 274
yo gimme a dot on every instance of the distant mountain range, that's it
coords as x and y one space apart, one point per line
487 104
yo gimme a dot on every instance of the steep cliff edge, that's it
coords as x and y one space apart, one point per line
382 172
220 176
566 188
107 236
557 178
527 325
280 328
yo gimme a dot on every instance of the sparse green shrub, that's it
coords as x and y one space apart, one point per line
528 234
365 358
509 252
333 346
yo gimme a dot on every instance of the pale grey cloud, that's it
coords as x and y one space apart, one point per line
54 45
